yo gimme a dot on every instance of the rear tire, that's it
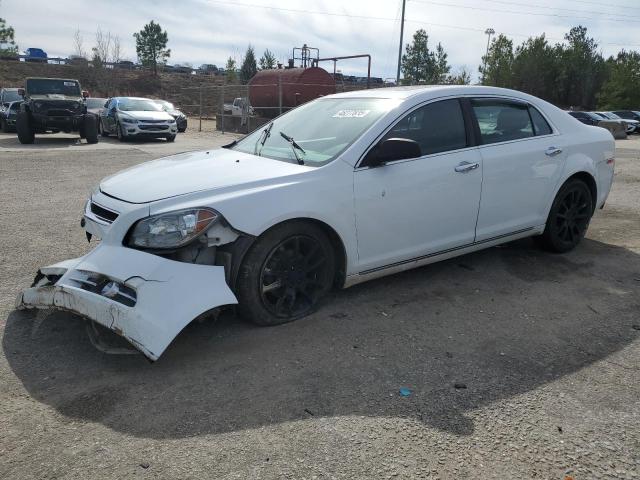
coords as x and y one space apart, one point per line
285 274
569 217
24 128
90 127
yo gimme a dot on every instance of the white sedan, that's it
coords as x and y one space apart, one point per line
341 190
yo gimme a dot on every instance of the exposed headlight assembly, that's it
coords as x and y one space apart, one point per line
171 230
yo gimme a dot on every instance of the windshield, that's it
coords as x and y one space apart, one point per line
46 86
613 116
593 116
166 106
138 105
15 106
323 128
11 96
96 102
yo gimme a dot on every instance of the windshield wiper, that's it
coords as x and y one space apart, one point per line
266 133
294 146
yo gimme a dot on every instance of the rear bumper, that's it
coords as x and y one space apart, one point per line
144 298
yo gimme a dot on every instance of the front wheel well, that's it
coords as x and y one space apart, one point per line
591 183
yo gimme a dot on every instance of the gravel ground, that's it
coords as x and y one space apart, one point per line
521 364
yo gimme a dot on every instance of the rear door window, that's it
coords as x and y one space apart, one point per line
502 120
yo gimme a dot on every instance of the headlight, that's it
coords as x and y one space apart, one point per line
128 120
171 230
173 120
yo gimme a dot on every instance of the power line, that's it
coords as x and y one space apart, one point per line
521 35
534 5
512 12
368 17
298 10
600 4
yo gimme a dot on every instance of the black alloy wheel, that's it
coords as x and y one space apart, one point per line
569 217
293 277
572 217
286 273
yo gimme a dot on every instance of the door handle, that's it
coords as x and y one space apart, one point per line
553 151
466 167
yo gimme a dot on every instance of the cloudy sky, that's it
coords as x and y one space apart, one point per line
209 31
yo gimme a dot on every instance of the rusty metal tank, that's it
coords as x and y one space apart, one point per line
299 85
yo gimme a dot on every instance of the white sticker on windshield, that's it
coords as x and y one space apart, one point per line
351 113
69 84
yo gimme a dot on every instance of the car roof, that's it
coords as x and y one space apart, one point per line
133 98
53 78
429 91
11 89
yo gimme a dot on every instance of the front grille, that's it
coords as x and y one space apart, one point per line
155 128
153 121
102 213
58 108
104 286
60 113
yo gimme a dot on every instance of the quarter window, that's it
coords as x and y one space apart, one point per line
437 127
539 123
502 120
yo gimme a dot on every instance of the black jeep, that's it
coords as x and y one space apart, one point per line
54 105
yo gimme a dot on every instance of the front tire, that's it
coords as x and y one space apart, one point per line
90 128
26 134
285 274
171 138
101 129
4 126
569 217
121 136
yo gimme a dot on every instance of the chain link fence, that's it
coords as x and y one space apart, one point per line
229 108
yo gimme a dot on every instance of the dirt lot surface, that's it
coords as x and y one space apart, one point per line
520 364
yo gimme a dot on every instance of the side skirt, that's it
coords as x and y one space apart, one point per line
398 267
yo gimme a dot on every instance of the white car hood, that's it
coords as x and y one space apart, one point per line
193 172
144 115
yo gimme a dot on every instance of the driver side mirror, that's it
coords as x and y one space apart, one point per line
390 150
21 92
85 94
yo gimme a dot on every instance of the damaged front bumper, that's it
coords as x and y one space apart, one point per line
142 297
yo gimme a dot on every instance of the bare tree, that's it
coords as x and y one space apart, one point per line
116 49
78 44
102 49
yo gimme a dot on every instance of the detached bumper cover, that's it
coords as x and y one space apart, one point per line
144 298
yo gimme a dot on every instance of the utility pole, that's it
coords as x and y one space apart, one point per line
404 4
488 32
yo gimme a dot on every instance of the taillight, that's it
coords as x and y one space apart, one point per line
611 161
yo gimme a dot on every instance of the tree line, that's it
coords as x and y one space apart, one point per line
572 74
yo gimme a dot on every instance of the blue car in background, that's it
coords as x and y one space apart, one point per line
35 55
